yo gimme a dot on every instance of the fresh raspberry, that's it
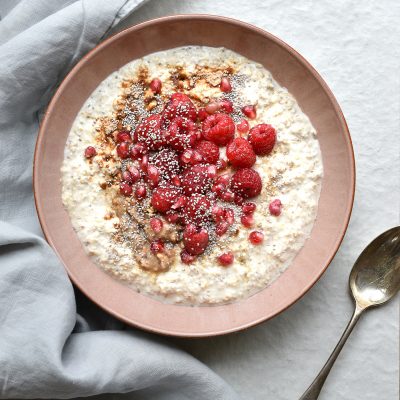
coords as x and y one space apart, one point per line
195 241
155 85
226 259
246 182
198 210
167 163
262 137
164 197
90 152
240 153
196 179
219 128
149 132
208 150
179 105
181 134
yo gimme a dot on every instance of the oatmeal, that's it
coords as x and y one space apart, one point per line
192 176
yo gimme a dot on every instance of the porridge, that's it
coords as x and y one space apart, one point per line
192 176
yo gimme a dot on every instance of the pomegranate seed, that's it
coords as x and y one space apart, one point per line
224 179
90 152
155 85
157 246
247 220
211 171
229 216
123 150
248 208
238 200
226 259
140 192
221 164
249 111
226 106
196 157
275 207
144 163
135 173
153 174
187 258
212 107
123 136
138 150
256 237
125 189
195 241
176 180
182 200
225 85
172 217
187 156
218 212
156 224
221 228
127 177
218 188
228 197
243 126
202 114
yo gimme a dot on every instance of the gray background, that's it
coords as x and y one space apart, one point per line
355 47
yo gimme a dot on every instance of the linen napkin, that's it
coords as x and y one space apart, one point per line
47 349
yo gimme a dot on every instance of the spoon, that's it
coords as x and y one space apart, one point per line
374 280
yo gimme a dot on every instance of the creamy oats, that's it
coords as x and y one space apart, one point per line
115 230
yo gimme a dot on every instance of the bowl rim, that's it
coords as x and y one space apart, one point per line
209 17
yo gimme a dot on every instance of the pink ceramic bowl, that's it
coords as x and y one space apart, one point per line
292 71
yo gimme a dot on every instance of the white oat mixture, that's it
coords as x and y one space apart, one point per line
292 173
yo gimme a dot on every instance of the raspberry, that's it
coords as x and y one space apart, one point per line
167 163
149 132
195 241
219 128
198 210
262 137
246 182
196 179
226 259
208 150
181 133
240 153
164 197
90 152
179 105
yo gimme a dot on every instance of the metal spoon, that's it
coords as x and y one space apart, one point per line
374 280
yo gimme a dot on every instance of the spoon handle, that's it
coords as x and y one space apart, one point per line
314 389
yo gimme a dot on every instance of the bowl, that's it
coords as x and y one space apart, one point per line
290 70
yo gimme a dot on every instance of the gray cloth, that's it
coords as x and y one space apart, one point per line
47 350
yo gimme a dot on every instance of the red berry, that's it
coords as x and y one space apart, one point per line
149 132
218 128
275 207
262 137
226 106
221 228
196 179
123 150
164 197
246 182
181 134
155 85
179 105
249 111
247 220
248 208
198 210
240 153
156 224
212 107
187 258
195 241
123 136
138 150
226 259
202 114
208 150
157 246
243 126
256 237
225 85
140 192
90 152
135 173
167 163
125 189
